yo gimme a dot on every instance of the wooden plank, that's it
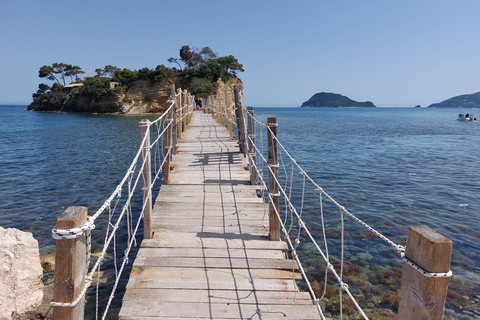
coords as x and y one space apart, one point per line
220 296
229 221
200 198
210 206
214 284
210 188
257 231
219 263
224 310
200 273
164 242
211 253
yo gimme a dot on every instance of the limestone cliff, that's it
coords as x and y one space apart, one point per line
225 87
141 96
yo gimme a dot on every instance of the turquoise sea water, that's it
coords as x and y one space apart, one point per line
392 167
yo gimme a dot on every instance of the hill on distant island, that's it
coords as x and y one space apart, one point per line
325 99
467 101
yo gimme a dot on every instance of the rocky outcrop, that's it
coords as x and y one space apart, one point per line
20 275
141 96
219 97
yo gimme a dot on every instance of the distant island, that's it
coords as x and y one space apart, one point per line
466 101
335 100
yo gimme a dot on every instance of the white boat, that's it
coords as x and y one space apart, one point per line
466 117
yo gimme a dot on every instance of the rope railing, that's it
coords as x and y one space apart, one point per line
124 210
292 216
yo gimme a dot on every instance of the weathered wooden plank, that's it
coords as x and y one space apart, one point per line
214 284
227 221
218 273
220 263
200 191
211 253
213 243
259 230
205 237
224 310
220 296
210 206
210 188
220 199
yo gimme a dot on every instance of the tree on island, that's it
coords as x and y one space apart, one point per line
175 60
204 63
73 71
43 88
62 70
107 72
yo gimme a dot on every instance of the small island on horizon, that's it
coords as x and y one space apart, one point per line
334 100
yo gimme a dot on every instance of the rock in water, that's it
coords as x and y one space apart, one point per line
20 274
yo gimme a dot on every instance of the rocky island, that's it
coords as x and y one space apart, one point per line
335 100
467 101
117 90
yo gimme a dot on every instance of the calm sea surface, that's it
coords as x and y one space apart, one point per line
392 167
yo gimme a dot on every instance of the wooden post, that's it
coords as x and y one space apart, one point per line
180 113
251 146
146 180
174 128
70 265
424 297
184 105
240 121
229 118
189 109
273 189
168 145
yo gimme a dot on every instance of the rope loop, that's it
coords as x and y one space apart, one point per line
426 273
297 242
400 250
73 233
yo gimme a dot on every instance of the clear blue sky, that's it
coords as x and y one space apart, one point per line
394 53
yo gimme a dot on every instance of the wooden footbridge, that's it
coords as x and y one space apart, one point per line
210 256
213 248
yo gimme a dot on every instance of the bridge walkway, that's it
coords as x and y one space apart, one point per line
210 257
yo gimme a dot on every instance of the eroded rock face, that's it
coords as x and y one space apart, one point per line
20 274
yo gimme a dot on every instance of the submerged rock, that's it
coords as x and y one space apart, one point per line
20 274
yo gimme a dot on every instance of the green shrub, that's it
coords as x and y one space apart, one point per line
95 86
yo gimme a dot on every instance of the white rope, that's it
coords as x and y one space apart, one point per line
302 225
73 232
77 232
426 273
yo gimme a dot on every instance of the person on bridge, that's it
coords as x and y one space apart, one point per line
198 102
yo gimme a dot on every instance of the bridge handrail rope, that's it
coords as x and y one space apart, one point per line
160 156
399 249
